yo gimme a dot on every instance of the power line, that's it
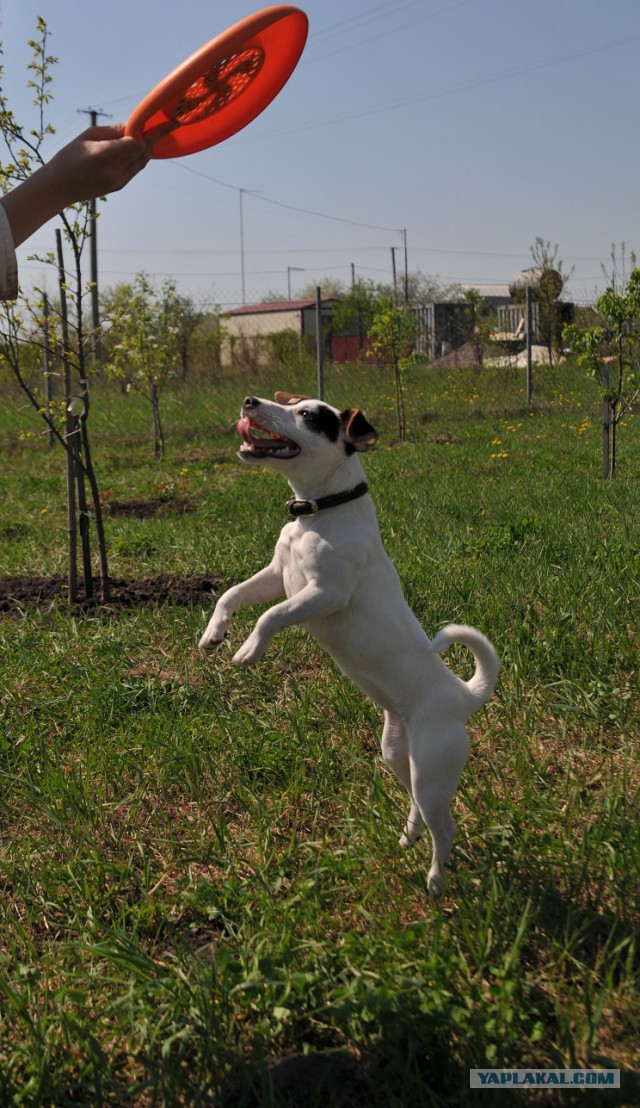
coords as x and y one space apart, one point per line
448 90
289 207
275 250
334 250
333 29
335 218
391 7
391 30
330 31
495 253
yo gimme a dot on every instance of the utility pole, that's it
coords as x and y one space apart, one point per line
292 269
319 343
241 193
93 114
529 310
395 277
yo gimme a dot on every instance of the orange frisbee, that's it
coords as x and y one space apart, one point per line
223 86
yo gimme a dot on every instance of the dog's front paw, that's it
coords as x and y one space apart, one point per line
209 642
216 630
250 652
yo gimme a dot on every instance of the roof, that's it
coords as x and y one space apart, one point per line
279 306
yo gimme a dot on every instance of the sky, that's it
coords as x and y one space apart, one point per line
463 128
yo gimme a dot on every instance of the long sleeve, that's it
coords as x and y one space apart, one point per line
8 262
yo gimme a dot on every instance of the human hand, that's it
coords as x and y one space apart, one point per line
99 161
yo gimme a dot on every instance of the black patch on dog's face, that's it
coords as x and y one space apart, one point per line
323 421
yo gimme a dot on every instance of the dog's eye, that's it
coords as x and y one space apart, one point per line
305 413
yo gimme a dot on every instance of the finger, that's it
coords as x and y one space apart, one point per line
154 133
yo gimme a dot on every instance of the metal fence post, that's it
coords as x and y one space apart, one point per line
529 344
319 344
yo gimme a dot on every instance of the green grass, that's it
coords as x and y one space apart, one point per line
199 865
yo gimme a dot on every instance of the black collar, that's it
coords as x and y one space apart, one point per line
310 507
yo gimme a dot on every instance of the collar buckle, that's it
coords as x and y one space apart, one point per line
302 507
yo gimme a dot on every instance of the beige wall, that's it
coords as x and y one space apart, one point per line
262 323
245 336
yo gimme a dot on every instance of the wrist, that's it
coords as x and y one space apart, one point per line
33 202
53 189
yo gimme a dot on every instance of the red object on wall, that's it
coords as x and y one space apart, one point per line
350 348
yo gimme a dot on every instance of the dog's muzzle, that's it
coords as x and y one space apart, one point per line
260 442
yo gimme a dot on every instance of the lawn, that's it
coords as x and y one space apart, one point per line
203 896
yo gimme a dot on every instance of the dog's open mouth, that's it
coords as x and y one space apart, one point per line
264 444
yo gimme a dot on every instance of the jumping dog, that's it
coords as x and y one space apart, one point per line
339 583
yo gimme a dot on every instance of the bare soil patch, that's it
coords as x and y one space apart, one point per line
18 593
148 507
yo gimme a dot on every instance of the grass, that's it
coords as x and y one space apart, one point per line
203 899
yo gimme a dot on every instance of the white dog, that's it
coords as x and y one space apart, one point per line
339 583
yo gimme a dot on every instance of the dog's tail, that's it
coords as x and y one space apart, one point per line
484 679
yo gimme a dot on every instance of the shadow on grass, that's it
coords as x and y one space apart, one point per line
411 1064
339 1079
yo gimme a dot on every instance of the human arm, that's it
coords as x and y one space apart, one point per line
99 161
8 263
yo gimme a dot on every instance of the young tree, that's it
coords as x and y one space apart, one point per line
23 323
187 317
392 335
147 346
484 322
548 282
610 352
355 312
329 287
429 289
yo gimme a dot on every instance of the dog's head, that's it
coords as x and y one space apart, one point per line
296 430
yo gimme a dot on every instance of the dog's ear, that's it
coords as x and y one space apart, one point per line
289 398
358 432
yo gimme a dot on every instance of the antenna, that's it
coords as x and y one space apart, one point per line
93 114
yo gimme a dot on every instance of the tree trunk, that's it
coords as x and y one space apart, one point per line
158 433
105 587
606 424
72 573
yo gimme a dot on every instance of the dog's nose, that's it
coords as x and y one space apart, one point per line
251 401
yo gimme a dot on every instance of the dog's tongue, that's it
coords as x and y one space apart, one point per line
246 428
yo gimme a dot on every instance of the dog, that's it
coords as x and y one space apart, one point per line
340 584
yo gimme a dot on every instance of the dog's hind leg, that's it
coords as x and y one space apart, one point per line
436 763
395 751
